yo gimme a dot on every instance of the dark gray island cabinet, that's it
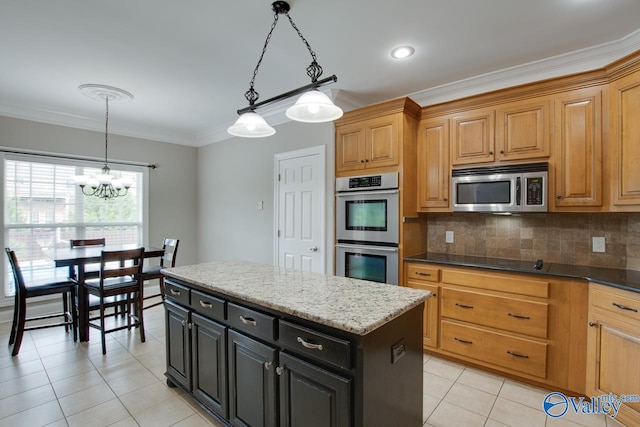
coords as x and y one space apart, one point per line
257 345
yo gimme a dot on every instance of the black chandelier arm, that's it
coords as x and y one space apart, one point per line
104 191
289 94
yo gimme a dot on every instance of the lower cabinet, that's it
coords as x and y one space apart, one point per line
253 368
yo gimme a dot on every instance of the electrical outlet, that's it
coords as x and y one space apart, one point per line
448 236
598 244
260 205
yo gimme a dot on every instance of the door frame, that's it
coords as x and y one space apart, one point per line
319 150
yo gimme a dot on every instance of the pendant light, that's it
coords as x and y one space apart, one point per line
312 107
104 186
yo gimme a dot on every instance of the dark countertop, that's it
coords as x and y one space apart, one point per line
623 279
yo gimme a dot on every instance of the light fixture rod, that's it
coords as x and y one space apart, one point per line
289 94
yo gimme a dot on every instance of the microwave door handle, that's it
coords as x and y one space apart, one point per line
518 190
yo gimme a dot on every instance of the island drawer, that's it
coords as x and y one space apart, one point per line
176 292
252 322
519 354
510 314
314 344
207 305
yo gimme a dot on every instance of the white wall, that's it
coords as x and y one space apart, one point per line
172 186
235 174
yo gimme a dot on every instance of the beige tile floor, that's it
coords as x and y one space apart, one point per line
56 382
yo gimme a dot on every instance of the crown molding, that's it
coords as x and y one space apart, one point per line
38 113
579 61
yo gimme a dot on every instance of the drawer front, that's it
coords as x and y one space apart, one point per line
252 322
511 283
518 354
176 292
510 314
622 305
315 344
423 272
207 305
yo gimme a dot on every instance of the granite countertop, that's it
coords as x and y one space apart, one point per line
624 279
351 305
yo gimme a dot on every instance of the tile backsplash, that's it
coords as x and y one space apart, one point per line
557 238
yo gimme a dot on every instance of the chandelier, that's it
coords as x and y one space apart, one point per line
312 107
104 185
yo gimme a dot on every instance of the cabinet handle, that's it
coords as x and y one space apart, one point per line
279 370
206 304
267 365
558 196
184 323
501 151
517 316
462 341
420 273
248 321
366 160
463 305
445 200
175 293
513 353
310 345
624 307
491 153
592 324
361 161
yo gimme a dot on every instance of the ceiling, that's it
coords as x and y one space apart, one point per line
188 63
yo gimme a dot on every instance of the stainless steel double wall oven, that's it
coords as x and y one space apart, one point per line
368 227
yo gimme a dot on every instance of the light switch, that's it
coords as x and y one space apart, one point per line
260 205
448 236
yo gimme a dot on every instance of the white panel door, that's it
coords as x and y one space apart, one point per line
300 230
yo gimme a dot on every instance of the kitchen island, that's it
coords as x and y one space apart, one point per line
258 345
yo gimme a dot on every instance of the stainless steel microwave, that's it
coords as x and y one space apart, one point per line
513 188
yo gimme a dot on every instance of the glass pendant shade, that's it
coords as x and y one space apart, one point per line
251 125
314 107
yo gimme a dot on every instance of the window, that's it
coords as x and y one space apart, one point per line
44 209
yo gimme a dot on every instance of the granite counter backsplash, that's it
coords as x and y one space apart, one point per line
559 238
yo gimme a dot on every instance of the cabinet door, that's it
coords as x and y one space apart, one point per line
473 137
252 382
625 134
578 149
431 313
350 147
209 362
381 141
433 165
178 344
613 354
523 130
311 396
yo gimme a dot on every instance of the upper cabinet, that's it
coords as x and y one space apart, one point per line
511 131
434 173
576 175
625 141
369 144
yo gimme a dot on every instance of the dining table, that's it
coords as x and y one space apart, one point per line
79 258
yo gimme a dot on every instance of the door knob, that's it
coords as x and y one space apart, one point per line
313 249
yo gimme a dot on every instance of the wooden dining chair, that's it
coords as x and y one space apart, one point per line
90 271
25 290
120 276
170 247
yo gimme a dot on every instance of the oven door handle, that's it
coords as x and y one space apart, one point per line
365 193
368 247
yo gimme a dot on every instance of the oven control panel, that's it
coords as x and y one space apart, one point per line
383 181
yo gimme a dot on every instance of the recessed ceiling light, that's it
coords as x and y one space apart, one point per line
402 52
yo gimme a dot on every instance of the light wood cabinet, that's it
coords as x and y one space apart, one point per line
426 278
625 134
372 143
473 137
434 174
527 326
576 178
613 347
513 131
